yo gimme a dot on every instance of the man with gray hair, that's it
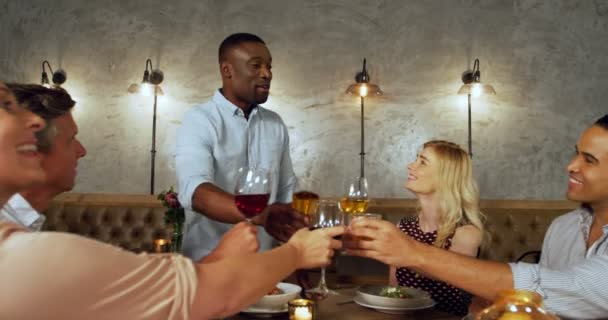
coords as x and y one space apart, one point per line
58 147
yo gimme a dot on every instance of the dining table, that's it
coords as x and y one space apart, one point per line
342 307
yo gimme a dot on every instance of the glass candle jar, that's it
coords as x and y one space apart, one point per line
161 245
301 309
516 305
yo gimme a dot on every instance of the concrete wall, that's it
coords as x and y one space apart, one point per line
546 60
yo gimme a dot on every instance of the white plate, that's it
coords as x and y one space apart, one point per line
370 294
263 313
394 310
469 317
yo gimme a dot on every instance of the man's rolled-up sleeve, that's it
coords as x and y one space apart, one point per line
194 162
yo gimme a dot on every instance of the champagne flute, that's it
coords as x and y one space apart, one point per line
328 215
252 191
356 198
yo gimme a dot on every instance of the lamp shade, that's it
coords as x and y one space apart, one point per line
476 89
364 89
145 89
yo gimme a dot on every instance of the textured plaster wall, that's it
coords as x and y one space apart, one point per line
546 59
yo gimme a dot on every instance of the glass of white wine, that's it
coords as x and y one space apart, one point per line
356 197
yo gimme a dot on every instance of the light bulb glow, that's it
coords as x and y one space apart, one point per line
476 89
146 89
363 90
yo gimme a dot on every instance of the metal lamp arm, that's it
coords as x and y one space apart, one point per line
45 62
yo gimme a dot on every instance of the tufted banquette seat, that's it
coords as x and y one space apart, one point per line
513 227
128 221
134 221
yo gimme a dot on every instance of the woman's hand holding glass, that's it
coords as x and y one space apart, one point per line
380 240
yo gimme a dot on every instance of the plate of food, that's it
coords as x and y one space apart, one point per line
392 310
275 302
403 298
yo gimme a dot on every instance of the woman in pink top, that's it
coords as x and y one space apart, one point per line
449 218
51 275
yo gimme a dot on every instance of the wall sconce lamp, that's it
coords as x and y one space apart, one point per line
150 85
59 77
363 88
473 87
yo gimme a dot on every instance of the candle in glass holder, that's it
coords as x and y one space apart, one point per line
161 245
301 309
302 313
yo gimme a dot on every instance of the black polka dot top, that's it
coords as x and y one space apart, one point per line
447 297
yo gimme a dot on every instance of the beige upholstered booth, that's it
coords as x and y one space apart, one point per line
133 221
128 221
514 226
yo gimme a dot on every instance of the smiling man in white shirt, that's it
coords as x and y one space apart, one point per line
228 132
59 149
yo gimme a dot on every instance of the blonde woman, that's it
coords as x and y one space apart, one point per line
448 218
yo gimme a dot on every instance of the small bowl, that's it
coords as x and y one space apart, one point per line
371 294
278 302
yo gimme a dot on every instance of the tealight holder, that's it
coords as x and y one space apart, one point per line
302 309
161 245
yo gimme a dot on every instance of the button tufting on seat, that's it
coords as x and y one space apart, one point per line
148 220
136 233
115 233
127 219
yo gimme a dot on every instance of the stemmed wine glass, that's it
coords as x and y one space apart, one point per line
356 197
252 191
328 215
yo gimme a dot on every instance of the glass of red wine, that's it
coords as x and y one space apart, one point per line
252 191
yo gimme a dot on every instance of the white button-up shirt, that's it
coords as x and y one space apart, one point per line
213 142
19 211
572 279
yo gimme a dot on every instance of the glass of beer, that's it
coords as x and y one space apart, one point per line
306 202
356 198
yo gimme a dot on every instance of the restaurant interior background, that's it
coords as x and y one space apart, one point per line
547 61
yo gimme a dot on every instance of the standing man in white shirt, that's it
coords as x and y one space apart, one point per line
228 132
58 147
572 276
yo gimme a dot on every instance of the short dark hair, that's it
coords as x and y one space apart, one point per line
47 103
602 122
234 40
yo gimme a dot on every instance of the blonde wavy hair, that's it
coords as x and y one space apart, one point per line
458 191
